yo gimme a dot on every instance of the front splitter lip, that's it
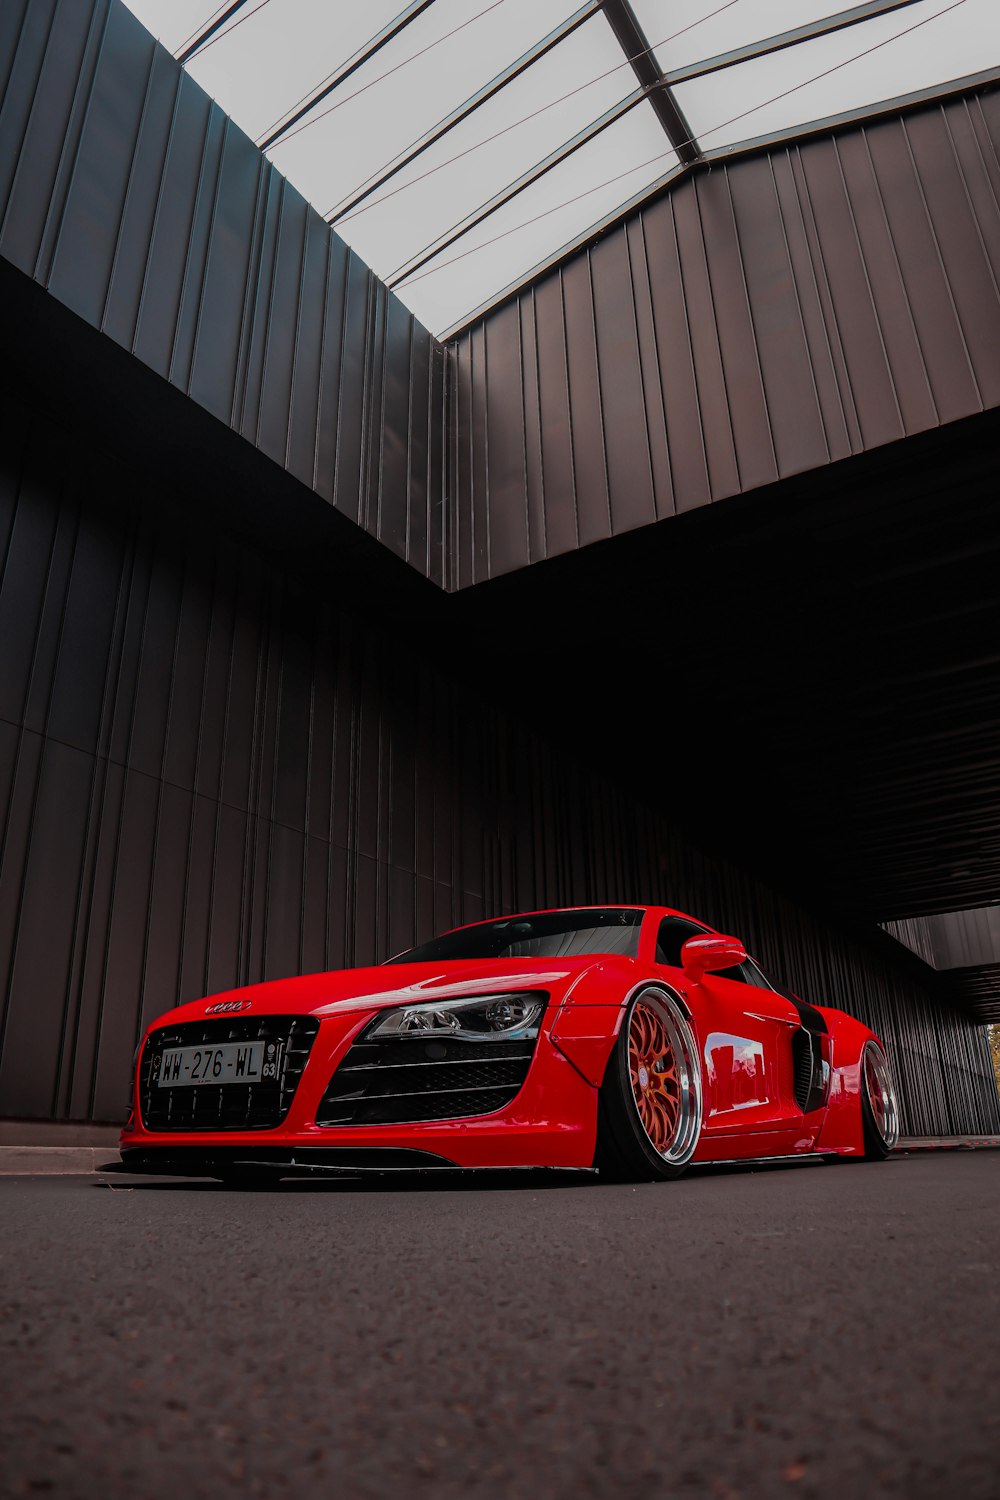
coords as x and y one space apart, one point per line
486 1141
288 1161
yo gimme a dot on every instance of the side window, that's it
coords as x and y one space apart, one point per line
753 975
673 934
747 973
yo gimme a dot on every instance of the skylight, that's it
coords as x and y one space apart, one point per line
583 108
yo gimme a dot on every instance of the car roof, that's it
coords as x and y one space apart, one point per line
547 911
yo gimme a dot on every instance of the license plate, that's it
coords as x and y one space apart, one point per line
229 1062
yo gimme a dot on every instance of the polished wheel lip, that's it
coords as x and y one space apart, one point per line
880 1092
662 1045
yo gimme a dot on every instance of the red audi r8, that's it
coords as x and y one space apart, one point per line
631 1039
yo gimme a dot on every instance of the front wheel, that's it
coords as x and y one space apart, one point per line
650 1103
879 1104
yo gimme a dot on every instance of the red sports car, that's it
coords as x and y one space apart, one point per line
632 1039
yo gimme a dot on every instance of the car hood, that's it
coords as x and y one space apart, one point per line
344 990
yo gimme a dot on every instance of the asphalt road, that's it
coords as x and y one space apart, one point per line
804 1331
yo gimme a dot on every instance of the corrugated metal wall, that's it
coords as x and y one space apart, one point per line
758 320
130 196
209 775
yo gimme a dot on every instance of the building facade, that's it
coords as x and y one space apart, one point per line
318 635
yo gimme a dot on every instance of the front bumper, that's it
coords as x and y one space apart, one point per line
551 1122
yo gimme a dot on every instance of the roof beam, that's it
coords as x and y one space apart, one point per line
382 39
784 39
465 226
210 31
487 92
632 40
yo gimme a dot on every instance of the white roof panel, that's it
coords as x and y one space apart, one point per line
269 58
557 209
683 31
886 56
503 139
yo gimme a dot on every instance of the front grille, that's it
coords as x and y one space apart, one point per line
227 1106
403 1082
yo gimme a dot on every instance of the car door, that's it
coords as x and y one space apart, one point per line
745 1030
747 1034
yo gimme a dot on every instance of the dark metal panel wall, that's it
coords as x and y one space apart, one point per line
210 775
133 199
758 320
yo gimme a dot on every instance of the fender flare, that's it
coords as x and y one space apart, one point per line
586 1034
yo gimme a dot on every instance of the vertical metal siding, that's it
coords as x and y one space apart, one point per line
209 775
756 321
132 198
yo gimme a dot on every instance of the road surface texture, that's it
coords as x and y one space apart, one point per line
801 1331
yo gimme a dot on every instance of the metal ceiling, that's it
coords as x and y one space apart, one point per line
964 948
977 990
810 674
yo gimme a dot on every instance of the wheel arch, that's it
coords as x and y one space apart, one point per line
586 1029
842 1132
651 1101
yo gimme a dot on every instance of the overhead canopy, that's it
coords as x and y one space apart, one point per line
511 128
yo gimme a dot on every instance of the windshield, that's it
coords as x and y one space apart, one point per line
554 934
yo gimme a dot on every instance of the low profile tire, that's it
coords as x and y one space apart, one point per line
879 1104
650 1103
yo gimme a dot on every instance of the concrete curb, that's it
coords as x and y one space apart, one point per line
949 1143
36 1161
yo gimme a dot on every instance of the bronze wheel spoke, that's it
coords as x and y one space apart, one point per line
664 1074
654 1077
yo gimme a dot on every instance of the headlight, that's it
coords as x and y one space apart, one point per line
489 1018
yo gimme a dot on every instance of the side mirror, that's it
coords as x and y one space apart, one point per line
705 955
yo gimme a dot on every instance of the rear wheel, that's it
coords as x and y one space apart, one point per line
649 1108
879 1104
